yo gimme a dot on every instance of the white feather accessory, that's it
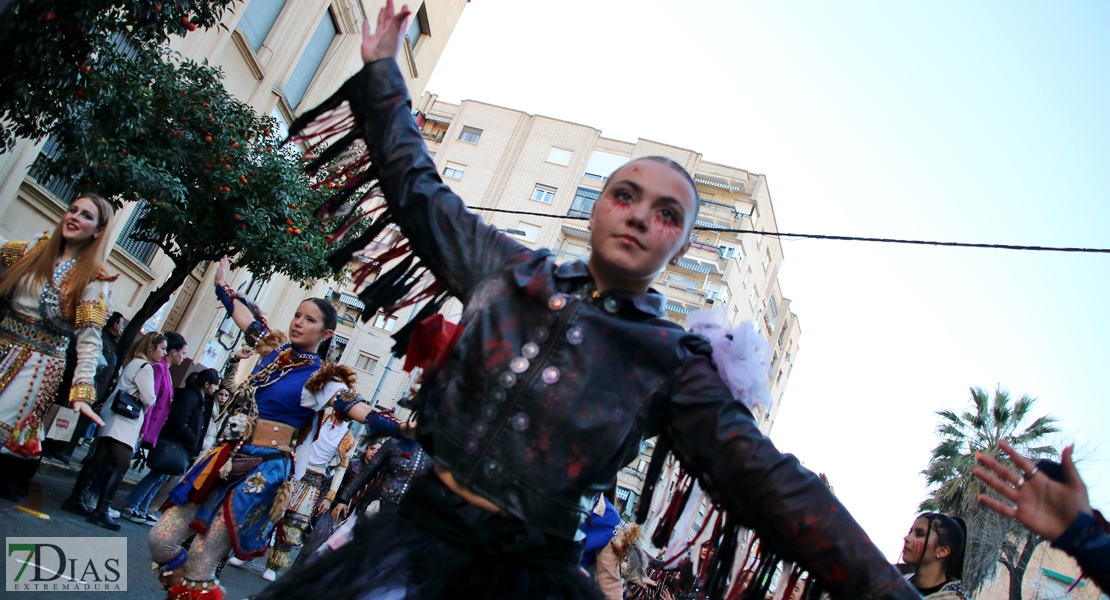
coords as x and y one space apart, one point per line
741 354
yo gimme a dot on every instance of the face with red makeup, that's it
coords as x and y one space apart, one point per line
913 545
641 221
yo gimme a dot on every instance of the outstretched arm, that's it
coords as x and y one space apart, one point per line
792 511
237 310
457 245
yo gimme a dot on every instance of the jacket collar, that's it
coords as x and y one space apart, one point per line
650 303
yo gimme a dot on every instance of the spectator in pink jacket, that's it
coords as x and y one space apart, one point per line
176 349
138 501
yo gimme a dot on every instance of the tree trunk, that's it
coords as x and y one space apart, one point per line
1017 574
154 301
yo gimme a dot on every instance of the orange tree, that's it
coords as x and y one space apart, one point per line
207 172
50 48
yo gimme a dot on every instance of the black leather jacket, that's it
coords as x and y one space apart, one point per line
398 462
551 387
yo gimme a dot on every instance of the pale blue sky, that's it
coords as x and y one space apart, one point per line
945 120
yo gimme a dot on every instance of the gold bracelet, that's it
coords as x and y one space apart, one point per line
82 392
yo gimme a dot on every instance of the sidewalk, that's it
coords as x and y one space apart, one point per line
55 467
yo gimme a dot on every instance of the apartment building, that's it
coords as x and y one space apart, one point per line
280 57
504 159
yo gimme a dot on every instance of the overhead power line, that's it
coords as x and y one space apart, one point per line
819 236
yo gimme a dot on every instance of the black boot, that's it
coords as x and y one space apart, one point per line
100 516
8 469
76 501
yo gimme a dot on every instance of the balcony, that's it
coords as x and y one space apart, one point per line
433 136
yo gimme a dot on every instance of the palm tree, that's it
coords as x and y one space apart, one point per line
987 420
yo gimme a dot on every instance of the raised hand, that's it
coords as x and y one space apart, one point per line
1044 506
243 353
339 512
221 272
386 40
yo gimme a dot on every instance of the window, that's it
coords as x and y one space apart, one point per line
384 321
339 345
310 61
729 251
471 135
767 259
418 27
747 277
282 125
453 170
559 156
716 291
544 194
602 164
365 362
584 200
753 298
259 19
525 231
623 494
642 466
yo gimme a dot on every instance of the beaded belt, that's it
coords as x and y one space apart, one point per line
313 478
19 329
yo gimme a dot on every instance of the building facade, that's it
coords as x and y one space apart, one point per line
280 57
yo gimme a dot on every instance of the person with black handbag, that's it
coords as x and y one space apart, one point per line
123 417
179 441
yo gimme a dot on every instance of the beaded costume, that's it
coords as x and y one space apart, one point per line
333 441
33 339
235 494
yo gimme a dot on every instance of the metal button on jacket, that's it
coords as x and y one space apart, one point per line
557 302
479 429
489 412
470 446
542 335
521 421
611 304
519 365
575 336
550 375
530 350
507 379
497 395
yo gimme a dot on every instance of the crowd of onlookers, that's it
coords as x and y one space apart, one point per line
173 420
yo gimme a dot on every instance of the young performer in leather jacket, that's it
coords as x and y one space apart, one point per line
560 371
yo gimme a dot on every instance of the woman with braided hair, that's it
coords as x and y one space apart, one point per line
934 547
234 495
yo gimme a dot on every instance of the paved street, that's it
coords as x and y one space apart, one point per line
50 488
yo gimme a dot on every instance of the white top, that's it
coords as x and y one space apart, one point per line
136 379
323 449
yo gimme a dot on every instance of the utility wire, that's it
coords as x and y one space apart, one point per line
818 236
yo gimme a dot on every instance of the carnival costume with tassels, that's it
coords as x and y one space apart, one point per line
234 495
546 394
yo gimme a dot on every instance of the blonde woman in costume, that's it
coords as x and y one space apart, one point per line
58 289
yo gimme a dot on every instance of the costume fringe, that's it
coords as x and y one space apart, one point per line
331 372
281 501
340 160
225 471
